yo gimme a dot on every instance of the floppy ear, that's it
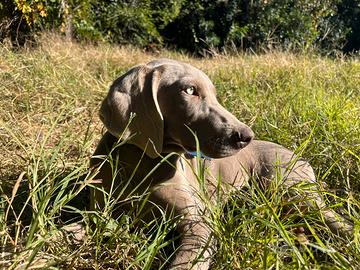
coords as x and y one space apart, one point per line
135 92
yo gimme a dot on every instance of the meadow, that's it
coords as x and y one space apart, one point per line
49 127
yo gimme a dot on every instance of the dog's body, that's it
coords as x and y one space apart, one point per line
172 101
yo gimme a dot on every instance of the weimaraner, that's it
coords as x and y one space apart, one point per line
170 102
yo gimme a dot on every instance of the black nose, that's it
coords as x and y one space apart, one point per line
241 139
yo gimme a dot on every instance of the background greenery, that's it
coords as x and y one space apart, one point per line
199 26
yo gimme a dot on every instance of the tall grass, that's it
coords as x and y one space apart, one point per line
50 95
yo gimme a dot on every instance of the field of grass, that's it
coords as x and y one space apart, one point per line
49 127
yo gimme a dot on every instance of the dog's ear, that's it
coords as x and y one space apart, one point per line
135 93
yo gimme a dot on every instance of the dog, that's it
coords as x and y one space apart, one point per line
161 107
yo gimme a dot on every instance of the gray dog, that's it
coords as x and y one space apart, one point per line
171 102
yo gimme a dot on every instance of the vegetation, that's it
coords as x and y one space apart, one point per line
201 26
49 128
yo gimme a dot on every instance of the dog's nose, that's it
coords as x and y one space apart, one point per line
241 139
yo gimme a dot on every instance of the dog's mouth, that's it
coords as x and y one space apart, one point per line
220 147
213 147
220 152
211 150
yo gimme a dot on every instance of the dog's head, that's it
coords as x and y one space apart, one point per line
171 101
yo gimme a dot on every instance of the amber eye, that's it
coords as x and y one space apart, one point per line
191 91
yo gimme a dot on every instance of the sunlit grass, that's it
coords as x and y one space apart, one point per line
50 96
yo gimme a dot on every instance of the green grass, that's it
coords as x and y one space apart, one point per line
50 96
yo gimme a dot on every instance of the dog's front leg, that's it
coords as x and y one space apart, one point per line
196 247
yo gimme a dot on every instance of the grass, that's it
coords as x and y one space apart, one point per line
49 128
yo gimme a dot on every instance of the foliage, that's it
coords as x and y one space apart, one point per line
257 24
349 14
12 24
126 22
32 10
201 25
118 21
288 23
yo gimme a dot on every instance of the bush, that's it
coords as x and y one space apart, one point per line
126 22
197 26
258 24
349 14
287 23
12 23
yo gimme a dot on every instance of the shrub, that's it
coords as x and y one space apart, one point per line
197 26
349 14
12 23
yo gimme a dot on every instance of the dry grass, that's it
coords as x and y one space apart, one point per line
49 129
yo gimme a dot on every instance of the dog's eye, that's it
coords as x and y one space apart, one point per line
191 91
